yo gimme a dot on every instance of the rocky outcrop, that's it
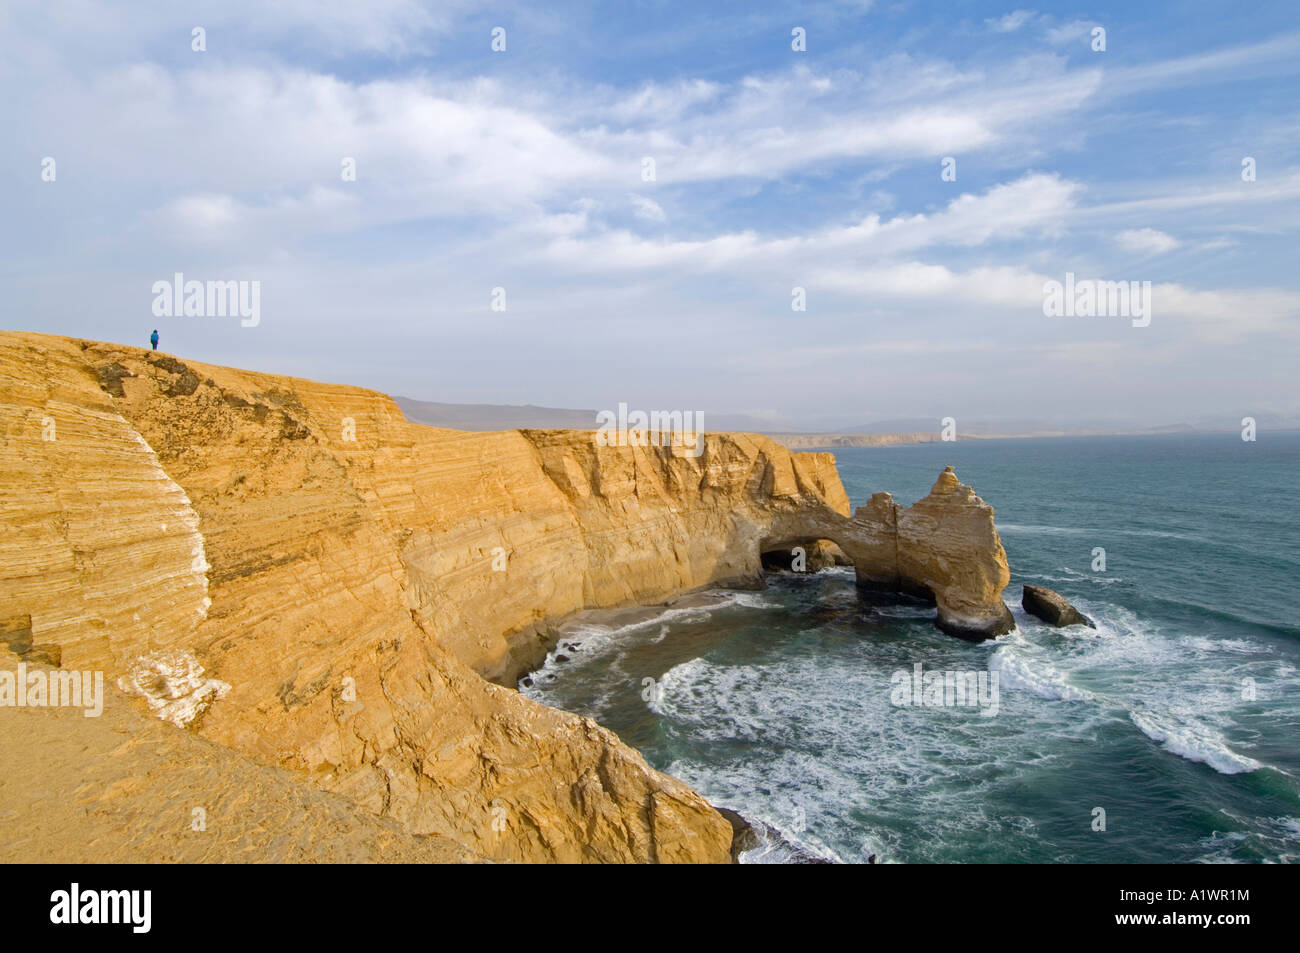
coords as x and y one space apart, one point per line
1052 607
944 548
948 545
300 575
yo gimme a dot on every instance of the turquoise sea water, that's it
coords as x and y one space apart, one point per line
1177 716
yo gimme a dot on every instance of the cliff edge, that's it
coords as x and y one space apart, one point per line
295 572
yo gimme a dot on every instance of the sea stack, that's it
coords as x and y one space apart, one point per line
944 549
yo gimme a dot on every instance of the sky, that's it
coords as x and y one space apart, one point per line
775 168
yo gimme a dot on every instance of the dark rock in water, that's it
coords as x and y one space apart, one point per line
743 835
527 683
977 633
1051 606
561 658
747 835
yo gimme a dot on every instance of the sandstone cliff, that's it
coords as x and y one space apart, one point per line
302 576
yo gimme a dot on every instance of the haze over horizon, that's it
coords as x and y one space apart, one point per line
774 169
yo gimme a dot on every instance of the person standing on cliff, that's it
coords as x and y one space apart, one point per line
153 339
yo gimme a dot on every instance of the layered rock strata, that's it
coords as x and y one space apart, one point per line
340 589
944 548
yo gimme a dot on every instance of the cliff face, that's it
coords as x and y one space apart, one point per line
299 574
350 577
944 546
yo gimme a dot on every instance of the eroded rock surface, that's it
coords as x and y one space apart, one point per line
126 788
359 582
944 548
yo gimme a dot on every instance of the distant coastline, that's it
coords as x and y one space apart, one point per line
494 417
829 441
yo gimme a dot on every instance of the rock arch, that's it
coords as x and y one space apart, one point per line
944 547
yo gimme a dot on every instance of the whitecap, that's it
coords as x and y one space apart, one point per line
1195 742
1016 671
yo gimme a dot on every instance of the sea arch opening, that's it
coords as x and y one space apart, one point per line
802 554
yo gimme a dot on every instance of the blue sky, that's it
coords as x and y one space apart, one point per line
775 169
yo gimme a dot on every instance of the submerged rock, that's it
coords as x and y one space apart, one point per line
1050 606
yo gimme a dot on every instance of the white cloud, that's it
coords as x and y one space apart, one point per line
1278 54
1216 196
1010 22
216 219
647 209
1146 241
661 103
1034 204
1070 32
393 28
901 109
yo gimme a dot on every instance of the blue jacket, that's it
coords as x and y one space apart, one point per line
153 338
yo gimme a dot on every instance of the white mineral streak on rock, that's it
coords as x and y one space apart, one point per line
172 683
180 509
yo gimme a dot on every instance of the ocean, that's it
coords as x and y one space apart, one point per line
1166 734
